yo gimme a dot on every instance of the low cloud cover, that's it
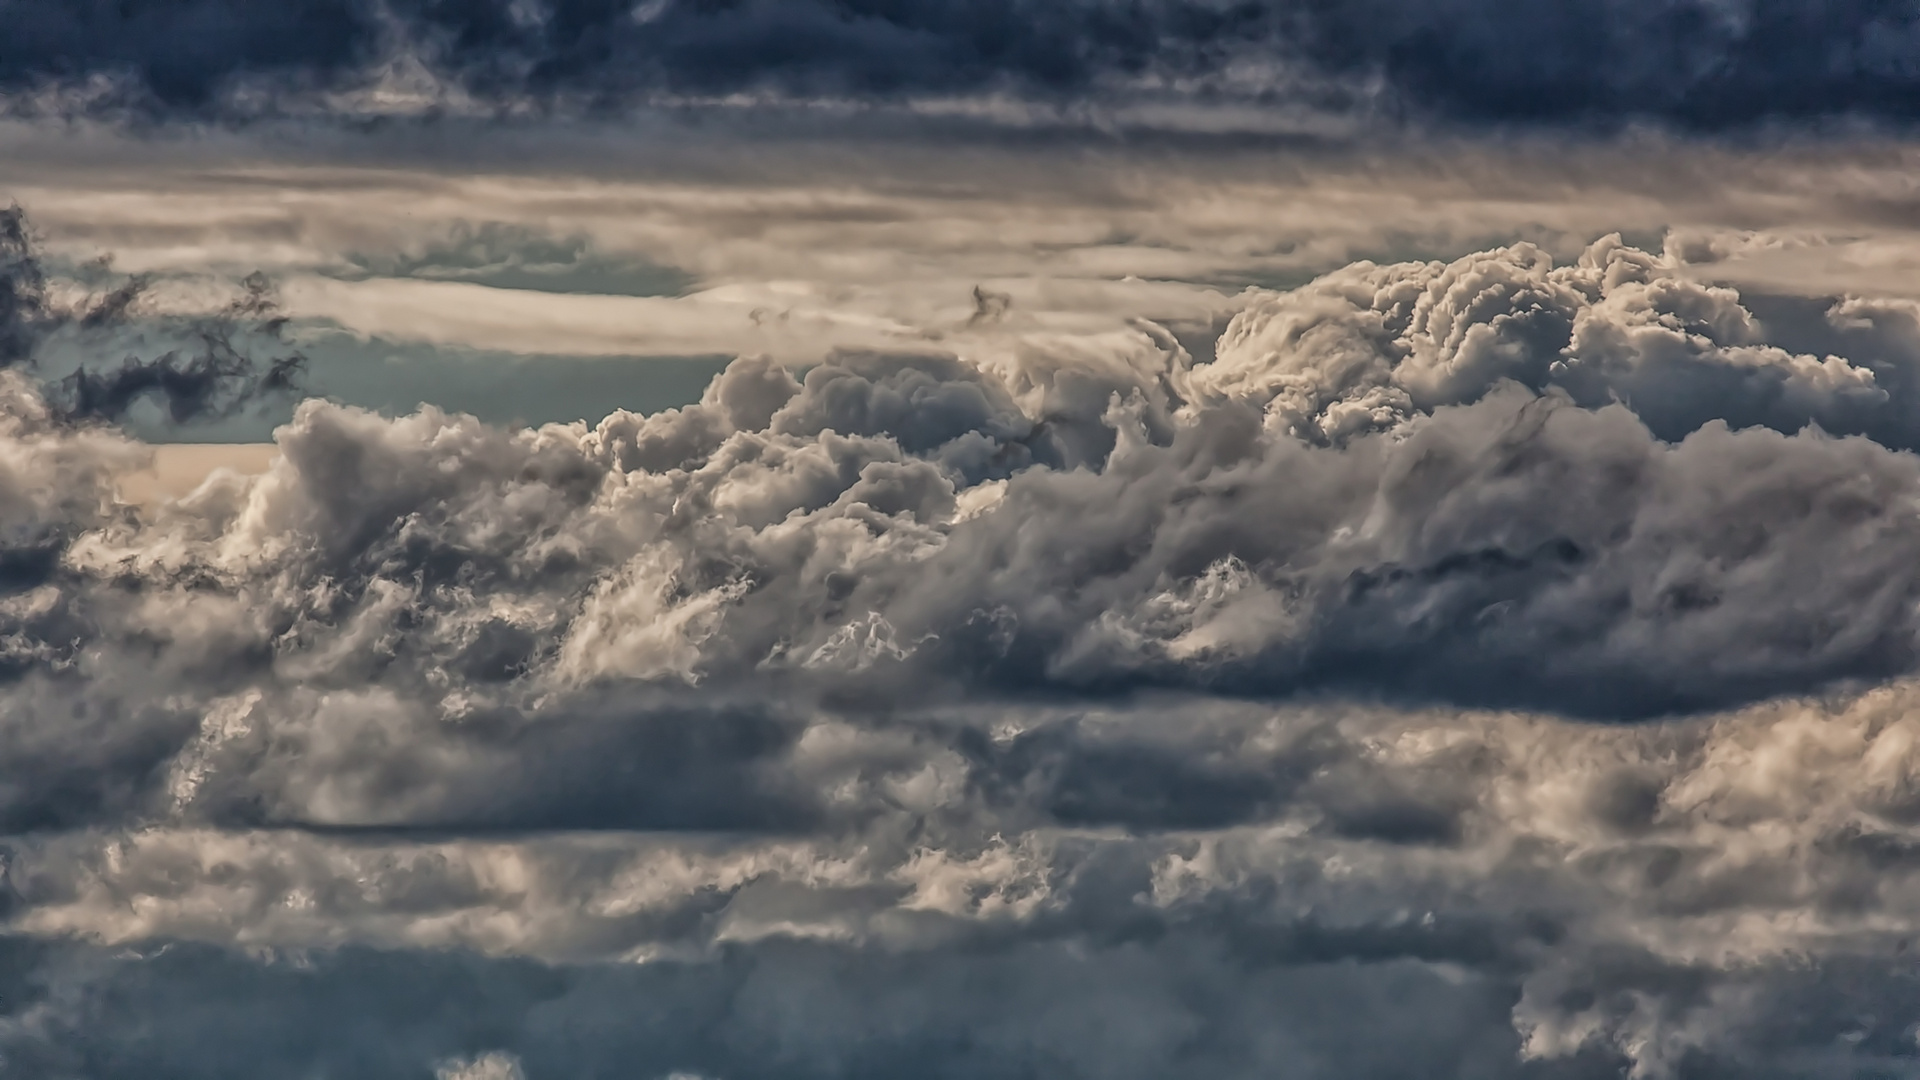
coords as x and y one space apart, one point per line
1491 667
1694 64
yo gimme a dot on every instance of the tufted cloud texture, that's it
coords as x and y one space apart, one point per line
1698 64
1478 669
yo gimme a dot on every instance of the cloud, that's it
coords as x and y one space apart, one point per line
1096 712
1727 893
217 379
507 257
1366 347
427 608
1080 238
1699 64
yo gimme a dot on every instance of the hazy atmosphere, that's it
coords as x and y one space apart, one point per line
1108 539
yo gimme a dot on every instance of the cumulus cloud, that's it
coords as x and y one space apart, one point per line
1452 494
1485 668
1367 347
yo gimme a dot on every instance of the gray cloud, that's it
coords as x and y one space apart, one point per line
215 377
894 532
800 1010
1047 712
506 257
1699 64
1727 895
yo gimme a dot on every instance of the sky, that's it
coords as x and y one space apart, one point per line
1108 539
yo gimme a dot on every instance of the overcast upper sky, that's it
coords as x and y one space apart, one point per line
737 539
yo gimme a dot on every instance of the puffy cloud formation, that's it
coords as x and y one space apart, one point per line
1367 347
1079 715
1698 63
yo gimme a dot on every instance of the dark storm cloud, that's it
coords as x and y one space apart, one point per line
1695 63
181 53
215 377
23 288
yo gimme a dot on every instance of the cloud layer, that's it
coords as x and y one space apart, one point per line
1495 667
1703 64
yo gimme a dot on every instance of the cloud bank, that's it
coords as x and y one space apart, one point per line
1495 667
1698 64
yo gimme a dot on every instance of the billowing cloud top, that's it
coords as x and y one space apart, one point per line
1499 666
1694 63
